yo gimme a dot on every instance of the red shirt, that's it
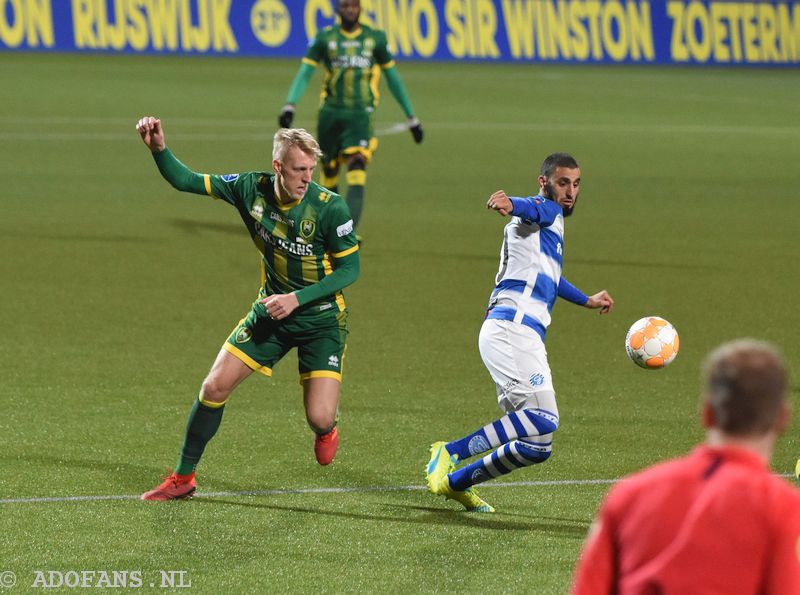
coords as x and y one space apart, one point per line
714 522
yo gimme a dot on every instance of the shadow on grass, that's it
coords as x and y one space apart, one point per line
136 478
129 476
498 521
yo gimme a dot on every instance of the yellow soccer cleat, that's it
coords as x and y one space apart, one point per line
797 470
440 464
469 498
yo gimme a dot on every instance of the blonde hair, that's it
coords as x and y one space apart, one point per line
286 138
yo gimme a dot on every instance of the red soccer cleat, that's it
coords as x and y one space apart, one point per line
174 487
325 447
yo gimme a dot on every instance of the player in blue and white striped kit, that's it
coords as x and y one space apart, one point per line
511 340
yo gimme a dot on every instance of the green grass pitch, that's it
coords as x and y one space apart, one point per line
117 292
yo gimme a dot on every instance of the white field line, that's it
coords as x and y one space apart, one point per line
347 490
282 492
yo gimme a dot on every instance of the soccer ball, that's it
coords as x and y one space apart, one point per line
652 342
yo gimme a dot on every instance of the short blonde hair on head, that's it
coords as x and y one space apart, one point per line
286 138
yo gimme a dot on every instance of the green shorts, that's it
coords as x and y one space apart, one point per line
261 342
345 132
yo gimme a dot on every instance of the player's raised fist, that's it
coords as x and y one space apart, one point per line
500 202
152 133
286 116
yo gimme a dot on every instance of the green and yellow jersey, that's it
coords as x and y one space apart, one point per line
308 246
353 62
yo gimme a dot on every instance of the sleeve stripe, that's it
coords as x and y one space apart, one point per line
344 253
388 65
310 62
207 182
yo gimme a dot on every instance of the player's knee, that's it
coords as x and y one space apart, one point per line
548 423
214 390
356 162
356 172
330 176
321 424
541 410
545 422
534 452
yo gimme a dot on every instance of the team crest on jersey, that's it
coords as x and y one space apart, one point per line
307 228
230 177
244 335
537 379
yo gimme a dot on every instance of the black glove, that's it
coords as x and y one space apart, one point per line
287 115
415 126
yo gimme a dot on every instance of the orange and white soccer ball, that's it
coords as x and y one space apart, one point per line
652 342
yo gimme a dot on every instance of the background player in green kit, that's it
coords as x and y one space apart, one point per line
353 55
305 235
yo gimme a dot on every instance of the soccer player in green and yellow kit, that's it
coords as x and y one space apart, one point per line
306 237
353 55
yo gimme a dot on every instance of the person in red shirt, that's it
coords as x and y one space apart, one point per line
715 521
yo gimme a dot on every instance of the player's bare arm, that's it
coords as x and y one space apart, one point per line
281 305
152 133
601 300
500 202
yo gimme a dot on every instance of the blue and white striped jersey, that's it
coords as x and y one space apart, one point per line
531 259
